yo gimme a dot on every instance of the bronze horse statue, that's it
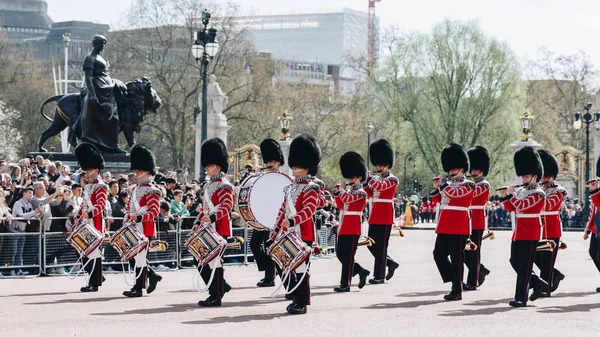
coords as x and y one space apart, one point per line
132 104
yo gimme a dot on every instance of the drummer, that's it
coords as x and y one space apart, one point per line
305 155
94 202
273 159
142 209
218 200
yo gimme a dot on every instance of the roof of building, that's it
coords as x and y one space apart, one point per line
25 19
79 30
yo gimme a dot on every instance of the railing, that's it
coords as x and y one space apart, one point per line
44 249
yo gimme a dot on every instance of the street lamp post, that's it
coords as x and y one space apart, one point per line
64 135
284 122
369 128
205 47
577 122
408 157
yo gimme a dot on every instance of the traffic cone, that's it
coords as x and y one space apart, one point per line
408 220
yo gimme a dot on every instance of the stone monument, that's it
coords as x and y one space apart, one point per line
526 139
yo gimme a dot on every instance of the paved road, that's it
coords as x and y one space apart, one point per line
409 305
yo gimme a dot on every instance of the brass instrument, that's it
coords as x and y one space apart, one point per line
562 245
106 237
506 187
470 245
488 234
546 246
235 242
366 241
158 246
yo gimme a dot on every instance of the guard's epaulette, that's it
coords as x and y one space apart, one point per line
484 182
311 186
225 184
153 190
556 189
318 182
469 182
360 192
392 177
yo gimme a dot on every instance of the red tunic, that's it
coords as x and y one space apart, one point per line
94 203
454 199
145 198
321 184
382 189
220 193
480 199
305 195
555 195
526 203
351 204
595 196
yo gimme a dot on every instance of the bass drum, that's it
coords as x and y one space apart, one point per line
260 197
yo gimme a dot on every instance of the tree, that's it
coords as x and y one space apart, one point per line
453 85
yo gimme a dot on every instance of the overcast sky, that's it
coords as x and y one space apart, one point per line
564 27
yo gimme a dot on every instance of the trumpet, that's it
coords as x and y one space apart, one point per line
489 234
470 245
158 246
235 242
106 237
506 187
366 241
546 246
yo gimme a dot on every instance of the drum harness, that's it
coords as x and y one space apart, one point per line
81 271
129 272
292 208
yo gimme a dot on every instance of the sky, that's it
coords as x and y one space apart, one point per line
563 27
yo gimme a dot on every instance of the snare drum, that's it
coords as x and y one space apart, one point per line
260 197
205 244
289 252
129 241
85 238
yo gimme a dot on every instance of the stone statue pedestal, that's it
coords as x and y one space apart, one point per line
113 163
285 150
217 127
519 145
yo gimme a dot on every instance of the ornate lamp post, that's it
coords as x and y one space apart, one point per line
577 122
526 121
205 47
369 129
284 121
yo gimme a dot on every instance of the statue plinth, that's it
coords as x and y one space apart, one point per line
114 163
285 150
217 127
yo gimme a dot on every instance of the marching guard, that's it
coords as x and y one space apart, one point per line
479 160
351 204
217 203
527 202
297 211
142 209
591 230
95 194
273 159
381 189
453 229
552 230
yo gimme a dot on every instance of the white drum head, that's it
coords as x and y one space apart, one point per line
266 197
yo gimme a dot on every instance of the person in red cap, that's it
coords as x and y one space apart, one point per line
593 223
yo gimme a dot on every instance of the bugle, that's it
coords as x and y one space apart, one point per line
506 187
235 242
366 241
470 245
562 245
489 234
158 246
546 246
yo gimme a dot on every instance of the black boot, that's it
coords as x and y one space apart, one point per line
517 304
211 301
154 279
342 289
363 278
453 296
391 269
483 272
136 291
556 278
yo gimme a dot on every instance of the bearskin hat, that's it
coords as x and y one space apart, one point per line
455 157
271 150
479 159
381 153
549 163
305 153
142 158
598 168
527 161
353 165
89 157
214 152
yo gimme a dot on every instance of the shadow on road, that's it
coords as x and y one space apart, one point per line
580 294
239 319
570 308
76 300
489 302
39 294
475 312
405 305
426 293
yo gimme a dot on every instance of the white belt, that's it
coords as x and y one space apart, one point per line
352 213
455 208
383 200
530 216
550 213
477 207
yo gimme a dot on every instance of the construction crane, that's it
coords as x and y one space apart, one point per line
371 36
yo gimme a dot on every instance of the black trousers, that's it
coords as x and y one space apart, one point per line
448 254
381 235
522 256
259 246
217 287
143 272
473 258
594 250
302 293
346 251
94 269
545 260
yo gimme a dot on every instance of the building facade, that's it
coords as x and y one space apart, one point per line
24 20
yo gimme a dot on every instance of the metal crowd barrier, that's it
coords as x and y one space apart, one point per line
46 251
